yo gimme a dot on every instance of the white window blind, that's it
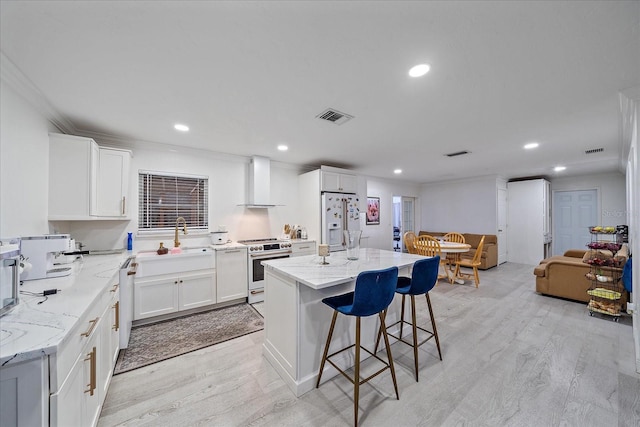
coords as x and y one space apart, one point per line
163 198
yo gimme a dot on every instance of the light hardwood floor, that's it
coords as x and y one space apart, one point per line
511 357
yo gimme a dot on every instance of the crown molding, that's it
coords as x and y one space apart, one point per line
16 79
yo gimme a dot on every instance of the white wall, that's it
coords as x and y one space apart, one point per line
612 204
381 236
464 206
24 166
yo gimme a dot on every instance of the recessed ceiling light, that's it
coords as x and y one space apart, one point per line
282 147
419 70
397 171
181 128
531 145
559 168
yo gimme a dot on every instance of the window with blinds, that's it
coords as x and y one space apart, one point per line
162 198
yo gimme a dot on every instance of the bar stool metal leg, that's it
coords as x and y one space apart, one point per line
326 346
433 323
356 375
389 356
415 334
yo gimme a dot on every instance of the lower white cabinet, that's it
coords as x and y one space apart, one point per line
25 401
165 294
303 247
232 278
77 401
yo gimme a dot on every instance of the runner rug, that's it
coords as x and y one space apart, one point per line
153 343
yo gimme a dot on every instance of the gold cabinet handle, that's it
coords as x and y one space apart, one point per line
116 307
115 287
124 201
93 322
91 357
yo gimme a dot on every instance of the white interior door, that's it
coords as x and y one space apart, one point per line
573 213
502 225
408 218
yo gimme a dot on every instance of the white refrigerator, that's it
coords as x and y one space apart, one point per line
340 212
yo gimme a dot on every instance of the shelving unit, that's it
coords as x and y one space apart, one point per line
605 274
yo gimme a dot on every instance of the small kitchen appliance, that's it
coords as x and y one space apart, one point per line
259 250
9 274
40 252
219 237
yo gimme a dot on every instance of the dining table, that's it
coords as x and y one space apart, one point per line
454 249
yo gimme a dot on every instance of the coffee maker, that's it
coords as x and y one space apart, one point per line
40 251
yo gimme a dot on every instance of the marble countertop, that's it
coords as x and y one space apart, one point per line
308 270
32 330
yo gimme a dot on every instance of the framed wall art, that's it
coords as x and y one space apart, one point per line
373 210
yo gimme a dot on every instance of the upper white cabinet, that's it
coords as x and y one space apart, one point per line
86 181
338 182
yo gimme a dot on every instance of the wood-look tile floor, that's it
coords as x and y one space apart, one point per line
511 357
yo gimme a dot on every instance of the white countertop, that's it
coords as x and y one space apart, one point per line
308 270
231 245
32 330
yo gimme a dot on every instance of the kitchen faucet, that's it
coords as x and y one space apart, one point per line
176 242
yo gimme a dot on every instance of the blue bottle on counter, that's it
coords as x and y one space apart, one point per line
129 241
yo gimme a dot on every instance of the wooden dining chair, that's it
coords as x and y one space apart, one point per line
455 238
473 263
430 246
409 239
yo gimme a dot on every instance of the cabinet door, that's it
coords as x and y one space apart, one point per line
329 181
109 345
92 393
197 290
348 183
24 394
73 163
231 272
155 297
113 182
66 404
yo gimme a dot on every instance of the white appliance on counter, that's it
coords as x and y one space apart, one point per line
262 250
340 212
40 251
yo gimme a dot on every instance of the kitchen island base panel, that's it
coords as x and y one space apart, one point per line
296 322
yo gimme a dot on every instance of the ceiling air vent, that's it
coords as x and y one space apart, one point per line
457 153
594 150
334 116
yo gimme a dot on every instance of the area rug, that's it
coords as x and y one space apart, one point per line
153 343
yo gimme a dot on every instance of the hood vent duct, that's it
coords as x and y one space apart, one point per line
334 116
259 183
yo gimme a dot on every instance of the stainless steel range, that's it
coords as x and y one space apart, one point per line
259 250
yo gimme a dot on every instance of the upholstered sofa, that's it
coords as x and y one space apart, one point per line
489 251
566 275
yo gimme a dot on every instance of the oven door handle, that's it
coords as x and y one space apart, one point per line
270 255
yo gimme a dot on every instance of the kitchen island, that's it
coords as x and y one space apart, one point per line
297 322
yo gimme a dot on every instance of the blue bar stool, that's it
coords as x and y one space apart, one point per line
374 291
423 278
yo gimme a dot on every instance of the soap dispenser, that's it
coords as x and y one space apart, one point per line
162 250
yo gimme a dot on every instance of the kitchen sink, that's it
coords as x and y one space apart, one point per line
190 259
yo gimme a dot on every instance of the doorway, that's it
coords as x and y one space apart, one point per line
573 213
403 219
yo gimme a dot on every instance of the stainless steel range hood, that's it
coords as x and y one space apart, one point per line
259 183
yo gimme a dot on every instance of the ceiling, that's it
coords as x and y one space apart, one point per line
247 76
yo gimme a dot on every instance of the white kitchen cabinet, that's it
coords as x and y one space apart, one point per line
78 400
87 182
232 276
303 247
25 402
338 182
166 294
113 182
